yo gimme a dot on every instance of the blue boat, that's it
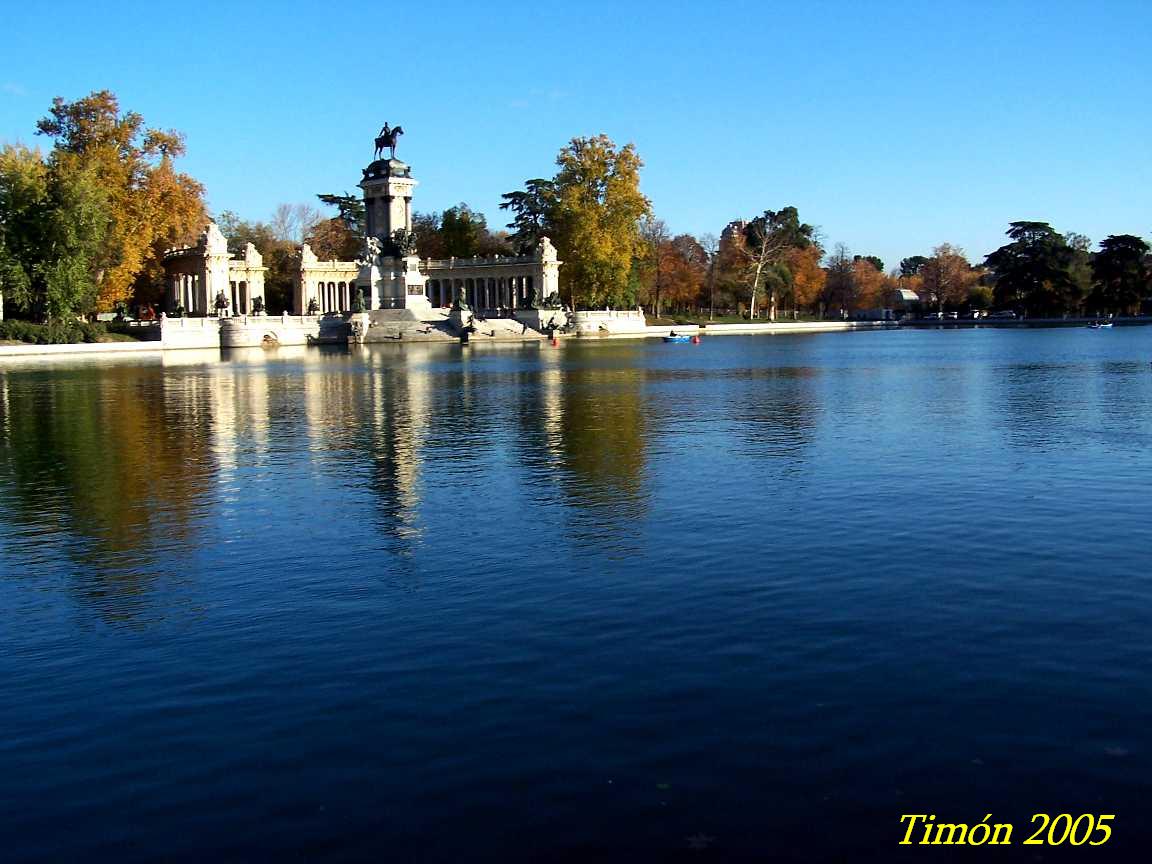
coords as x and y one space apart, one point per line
673 337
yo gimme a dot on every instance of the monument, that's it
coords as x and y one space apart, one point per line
390 276
388 291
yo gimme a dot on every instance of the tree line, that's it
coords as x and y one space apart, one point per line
83 228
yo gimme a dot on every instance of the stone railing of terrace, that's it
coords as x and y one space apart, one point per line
608 322
251 331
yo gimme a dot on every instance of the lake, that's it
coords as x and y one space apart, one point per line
752 599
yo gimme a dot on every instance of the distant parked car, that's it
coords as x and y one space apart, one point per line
977 313
952 316
1004 313
934 316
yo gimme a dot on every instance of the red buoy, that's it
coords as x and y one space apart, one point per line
555 342
695 340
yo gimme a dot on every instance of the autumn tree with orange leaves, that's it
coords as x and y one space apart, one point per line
948 276
148 205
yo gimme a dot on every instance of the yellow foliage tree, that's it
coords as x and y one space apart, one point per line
150 205
596 211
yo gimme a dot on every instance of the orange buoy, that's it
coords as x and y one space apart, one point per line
555 342
695 340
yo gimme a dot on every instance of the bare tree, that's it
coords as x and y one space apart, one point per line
710 243
655 235
292 222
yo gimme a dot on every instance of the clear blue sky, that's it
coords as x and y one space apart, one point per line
894 126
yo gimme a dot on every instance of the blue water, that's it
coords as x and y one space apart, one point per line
748 600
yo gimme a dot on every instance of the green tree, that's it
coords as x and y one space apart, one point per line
532 210
463 229
53 224
1121 274
878 263
1035 270
912 266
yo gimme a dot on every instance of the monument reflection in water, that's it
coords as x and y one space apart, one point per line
603 601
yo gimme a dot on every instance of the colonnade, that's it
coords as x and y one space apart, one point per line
483 293
332 296
185 290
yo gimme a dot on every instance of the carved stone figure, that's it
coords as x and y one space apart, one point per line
460 304
552 301
405 241
373 249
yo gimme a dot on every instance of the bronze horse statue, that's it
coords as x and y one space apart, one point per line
387 138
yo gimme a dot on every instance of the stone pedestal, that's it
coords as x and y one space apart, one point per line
538 319
397 283
358 324
387 186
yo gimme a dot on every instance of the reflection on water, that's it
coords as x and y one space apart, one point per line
121 467
379 602
109 466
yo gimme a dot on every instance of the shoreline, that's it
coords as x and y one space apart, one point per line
149 347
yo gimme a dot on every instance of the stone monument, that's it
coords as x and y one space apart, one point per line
390 276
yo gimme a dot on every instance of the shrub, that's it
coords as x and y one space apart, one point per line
54 333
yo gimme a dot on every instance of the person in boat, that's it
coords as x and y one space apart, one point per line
672 334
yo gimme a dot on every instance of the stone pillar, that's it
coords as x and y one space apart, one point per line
549 281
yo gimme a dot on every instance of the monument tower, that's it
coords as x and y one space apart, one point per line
391 277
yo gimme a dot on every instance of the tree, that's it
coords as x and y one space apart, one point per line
429 238
351 212
654 236
147 203
948 276
591 209
684 271
53 224
532 210
877 263
912 266
462 229
710 244
1034 271
867 283
839 283
1121 274
767 239
808 277
331 240
293 222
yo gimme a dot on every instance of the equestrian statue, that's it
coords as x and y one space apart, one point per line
387 138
